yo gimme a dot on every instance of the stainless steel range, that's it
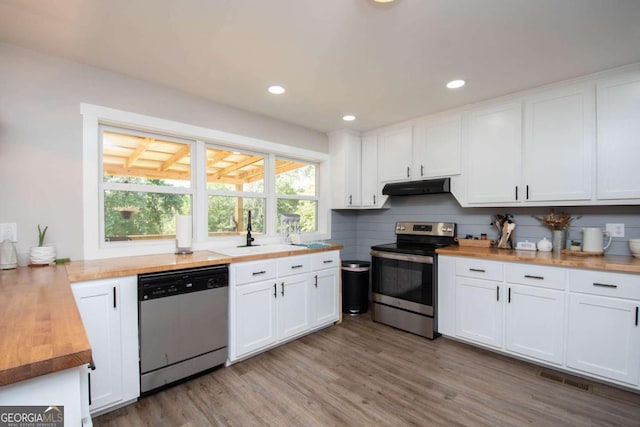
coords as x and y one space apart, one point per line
404 276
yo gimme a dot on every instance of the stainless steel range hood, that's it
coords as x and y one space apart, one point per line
411 188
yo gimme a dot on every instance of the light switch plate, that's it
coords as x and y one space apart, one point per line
8 231
616 230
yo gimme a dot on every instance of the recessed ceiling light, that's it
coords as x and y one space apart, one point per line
349 118
455 84
383 1
276 90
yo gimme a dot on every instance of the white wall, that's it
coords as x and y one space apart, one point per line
41 136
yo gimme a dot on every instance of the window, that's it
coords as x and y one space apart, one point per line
235 186
146 182
296 192
139 172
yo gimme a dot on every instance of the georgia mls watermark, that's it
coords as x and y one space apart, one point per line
32 416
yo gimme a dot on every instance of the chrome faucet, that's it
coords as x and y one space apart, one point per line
249 238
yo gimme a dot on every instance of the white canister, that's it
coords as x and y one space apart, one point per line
544 245
593 240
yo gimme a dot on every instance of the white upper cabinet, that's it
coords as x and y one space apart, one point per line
346 186
394 154
548 159
370 193
618 145
436 148
354 171
558 144
493 139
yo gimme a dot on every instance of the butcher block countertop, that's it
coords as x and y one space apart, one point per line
41 331
40 327
127 266
613 263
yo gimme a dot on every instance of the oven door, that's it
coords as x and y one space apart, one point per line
403 280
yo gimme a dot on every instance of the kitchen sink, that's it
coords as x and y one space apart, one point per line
263 249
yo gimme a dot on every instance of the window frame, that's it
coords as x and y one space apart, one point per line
96 117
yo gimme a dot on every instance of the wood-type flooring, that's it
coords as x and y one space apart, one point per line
361 373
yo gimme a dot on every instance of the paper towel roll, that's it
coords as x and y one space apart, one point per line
183 231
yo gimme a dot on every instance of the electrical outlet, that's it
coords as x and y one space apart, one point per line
616 230
8 231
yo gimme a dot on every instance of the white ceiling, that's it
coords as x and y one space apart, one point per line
383 63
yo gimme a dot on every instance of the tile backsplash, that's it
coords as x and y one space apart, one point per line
357 231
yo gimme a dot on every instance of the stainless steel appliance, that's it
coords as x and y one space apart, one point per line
404 276
183 324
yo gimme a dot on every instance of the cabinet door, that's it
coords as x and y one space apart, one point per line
479 310
324 297
534 322
394 154
255 316
345 150
293 306
558 144
618 149
604 337
99 306
436 149
492 145
370 196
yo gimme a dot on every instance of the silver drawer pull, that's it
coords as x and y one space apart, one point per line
605 285
297 266
257 273
327 261
477 270
528 276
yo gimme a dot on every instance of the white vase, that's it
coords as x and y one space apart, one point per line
42 254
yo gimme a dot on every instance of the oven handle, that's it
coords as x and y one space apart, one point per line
421 259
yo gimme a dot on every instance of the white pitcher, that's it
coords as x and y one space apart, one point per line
593 240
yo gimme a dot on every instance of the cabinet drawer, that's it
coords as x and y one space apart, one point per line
323 260
248 272
535 275
617 285
294 265
479 268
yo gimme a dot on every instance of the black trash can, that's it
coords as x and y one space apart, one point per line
355 286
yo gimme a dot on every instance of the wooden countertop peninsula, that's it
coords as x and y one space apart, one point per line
41 331
126 266
613 263
40 327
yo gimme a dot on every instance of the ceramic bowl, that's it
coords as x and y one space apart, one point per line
634 247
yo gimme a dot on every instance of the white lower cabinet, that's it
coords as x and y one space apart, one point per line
293 306
582 321
276 300
534 320
324 297
109 313
479 310
255 316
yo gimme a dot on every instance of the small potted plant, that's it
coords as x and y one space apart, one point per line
41 254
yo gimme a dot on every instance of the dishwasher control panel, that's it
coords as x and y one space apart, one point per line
166 284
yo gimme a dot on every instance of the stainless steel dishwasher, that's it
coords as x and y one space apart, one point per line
183 321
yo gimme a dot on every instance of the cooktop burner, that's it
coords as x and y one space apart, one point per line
420 238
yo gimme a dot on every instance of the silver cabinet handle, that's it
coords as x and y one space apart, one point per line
528 276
